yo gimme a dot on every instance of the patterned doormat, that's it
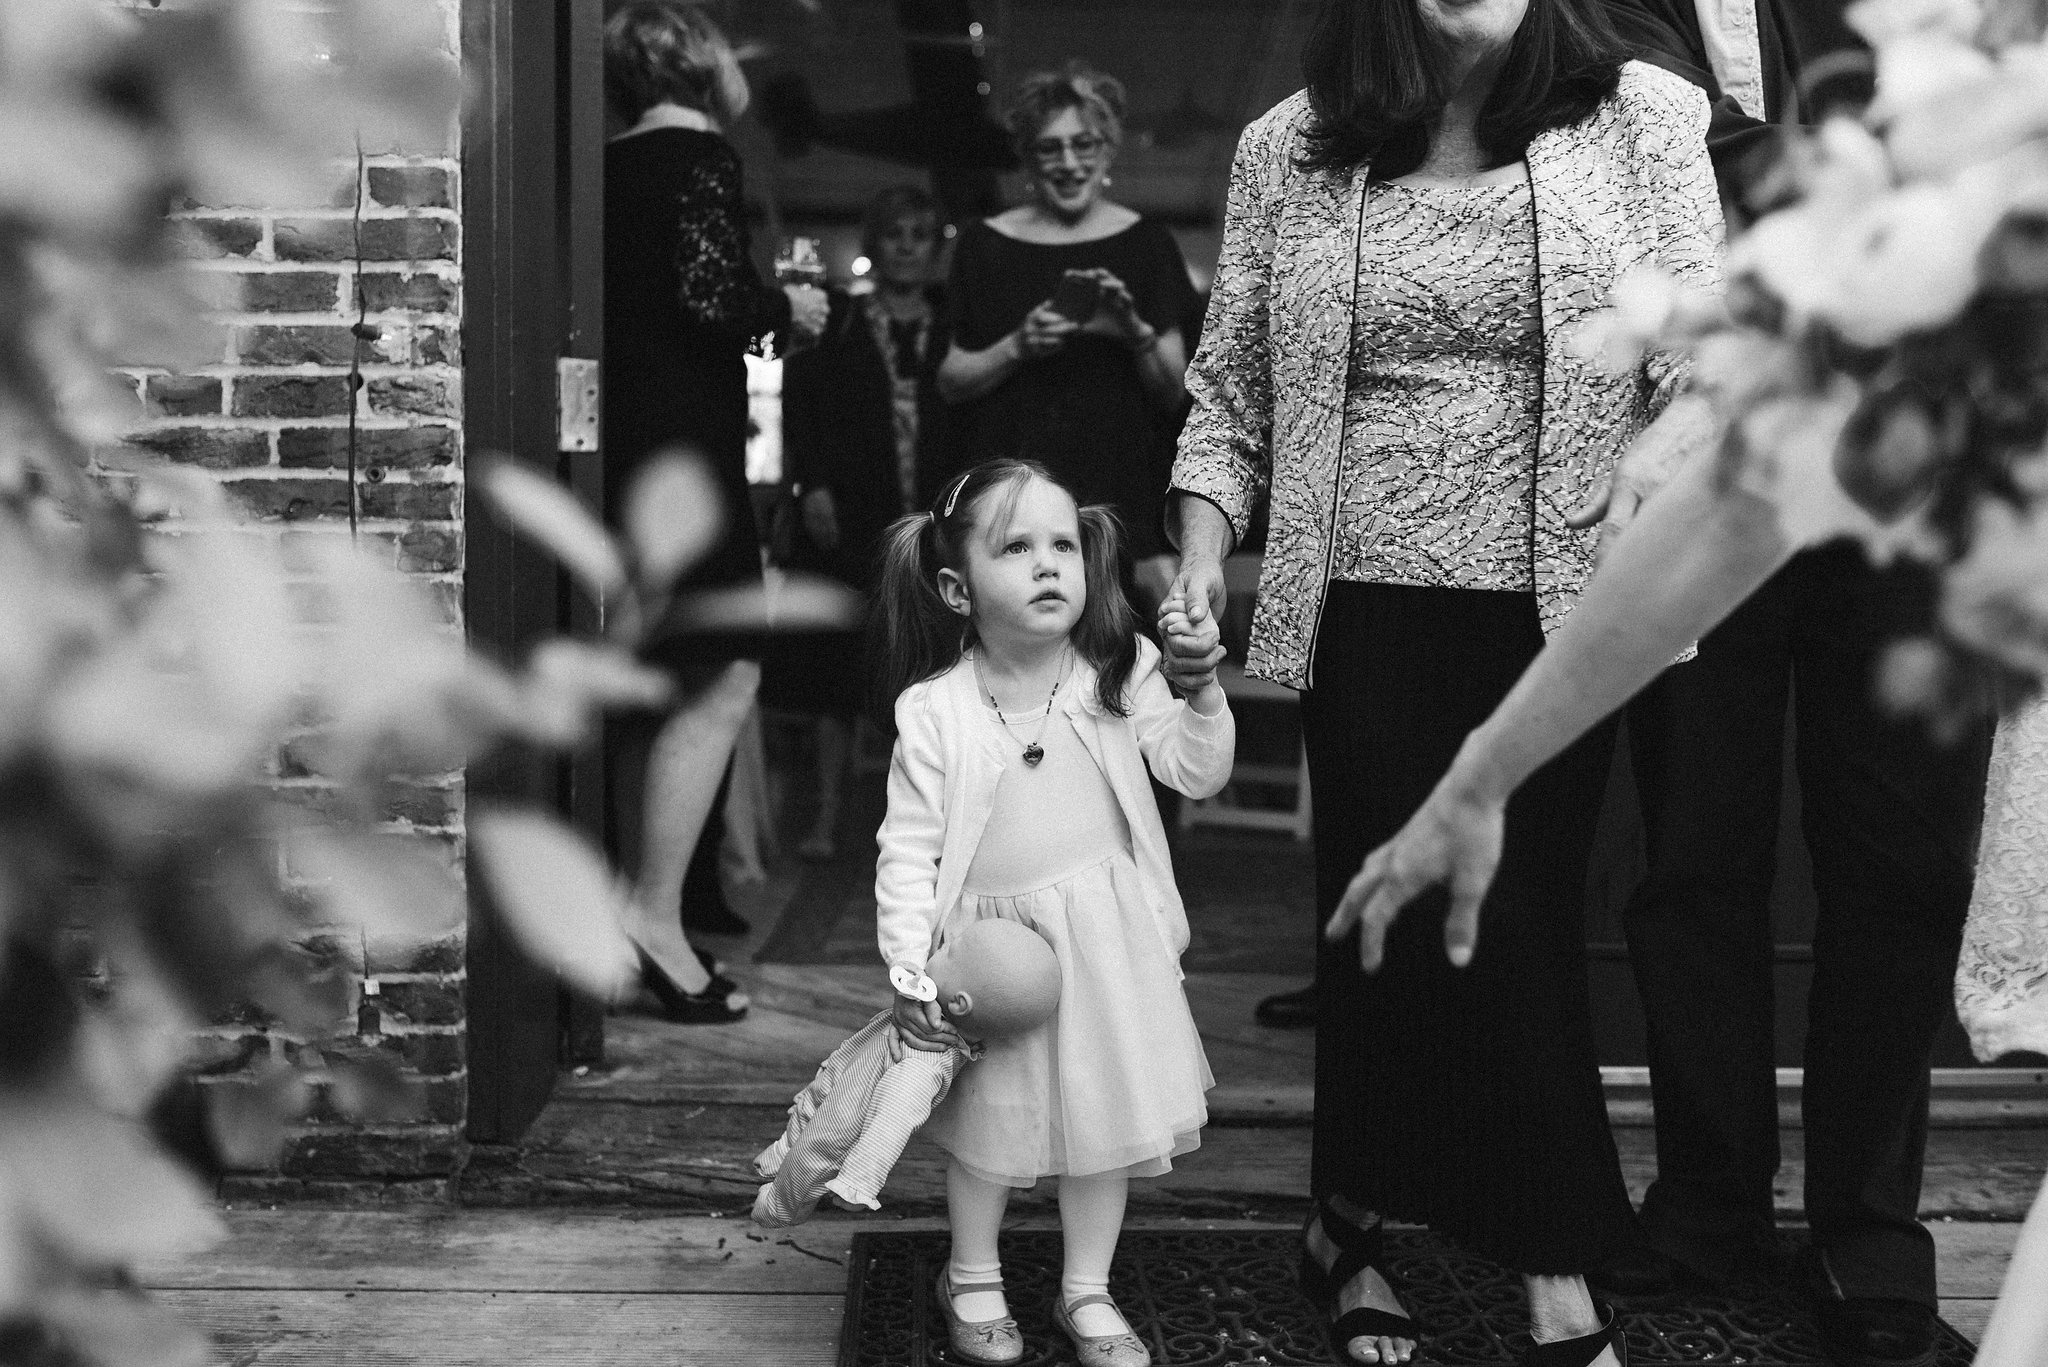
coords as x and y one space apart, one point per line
1203 1297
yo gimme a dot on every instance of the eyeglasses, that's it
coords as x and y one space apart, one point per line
1084 146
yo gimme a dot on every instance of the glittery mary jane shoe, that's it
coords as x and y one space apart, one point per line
989 1341
1104 1350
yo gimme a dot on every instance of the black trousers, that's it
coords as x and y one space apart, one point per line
1890 819
1465 1099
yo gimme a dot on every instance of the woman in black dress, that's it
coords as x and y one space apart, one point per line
683 303
1082 376
866 439
1413 249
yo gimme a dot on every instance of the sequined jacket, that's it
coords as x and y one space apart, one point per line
1630 185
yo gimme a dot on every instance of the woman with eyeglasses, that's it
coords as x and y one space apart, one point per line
1068 310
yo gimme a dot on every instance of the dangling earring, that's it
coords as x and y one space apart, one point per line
1107 180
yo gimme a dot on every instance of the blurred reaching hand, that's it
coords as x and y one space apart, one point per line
1454 839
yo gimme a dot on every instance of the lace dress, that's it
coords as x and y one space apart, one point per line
2002 976
683 301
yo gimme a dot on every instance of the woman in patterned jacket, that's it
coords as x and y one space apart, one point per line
1398 354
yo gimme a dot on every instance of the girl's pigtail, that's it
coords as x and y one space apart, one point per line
1107 634
912 634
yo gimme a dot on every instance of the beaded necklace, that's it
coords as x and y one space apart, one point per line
1033 751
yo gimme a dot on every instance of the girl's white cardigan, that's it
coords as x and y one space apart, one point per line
942 783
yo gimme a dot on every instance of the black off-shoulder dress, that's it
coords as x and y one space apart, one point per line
683 302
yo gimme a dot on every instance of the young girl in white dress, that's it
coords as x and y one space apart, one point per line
1028 709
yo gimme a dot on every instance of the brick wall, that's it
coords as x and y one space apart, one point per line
268 416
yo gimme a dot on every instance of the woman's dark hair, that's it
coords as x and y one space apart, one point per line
915 636
671 50
1377 84
892 206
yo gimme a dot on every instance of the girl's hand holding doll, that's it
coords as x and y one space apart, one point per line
1193 650
920 1025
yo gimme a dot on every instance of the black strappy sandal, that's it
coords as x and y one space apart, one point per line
1581 1351
1357 1250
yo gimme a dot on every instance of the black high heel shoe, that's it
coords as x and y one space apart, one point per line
721 982
1581 1351
1357 1250
715 1005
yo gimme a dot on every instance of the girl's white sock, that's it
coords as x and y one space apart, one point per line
974 1210
1091 1217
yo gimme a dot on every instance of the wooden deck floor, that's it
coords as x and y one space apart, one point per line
615 1233
557 1288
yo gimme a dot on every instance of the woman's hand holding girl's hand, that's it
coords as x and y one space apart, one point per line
920 1025
1192 652
1194 647
1044 331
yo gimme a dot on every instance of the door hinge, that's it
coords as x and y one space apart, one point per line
576 404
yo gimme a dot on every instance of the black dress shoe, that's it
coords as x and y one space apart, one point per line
1865 1331
1294 1010
1868 1332
1643 1271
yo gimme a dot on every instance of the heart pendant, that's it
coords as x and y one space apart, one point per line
1034 753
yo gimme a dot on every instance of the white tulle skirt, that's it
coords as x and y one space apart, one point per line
1116 1080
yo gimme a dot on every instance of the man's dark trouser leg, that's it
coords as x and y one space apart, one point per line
1707 740
1891 820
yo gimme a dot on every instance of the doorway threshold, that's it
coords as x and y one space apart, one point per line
1961 1098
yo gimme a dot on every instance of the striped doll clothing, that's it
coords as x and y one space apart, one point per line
849 1126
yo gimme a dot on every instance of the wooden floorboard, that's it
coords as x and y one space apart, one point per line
802 1013
1967 1317
464 1288
612 1148
628 1252
633 1251
511 1329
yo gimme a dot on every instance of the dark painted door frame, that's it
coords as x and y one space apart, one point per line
532 220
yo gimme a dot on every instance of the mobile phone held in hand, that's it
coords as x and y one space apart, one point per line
1078 296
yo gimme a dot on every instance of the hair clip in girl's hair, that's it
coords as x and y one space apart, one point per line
953 496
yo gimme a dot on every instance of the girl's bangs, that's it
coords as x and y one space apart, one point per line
1001 501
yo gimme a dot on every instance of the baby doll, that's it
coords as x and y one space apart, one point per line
992 979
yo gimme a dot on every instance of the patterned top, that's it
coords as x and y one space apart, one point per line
1446 391
903 345
2002 973
1628 187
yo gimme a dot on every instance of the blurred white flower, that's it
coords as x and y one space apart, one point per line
1922 69
1903 262
1648 309
1996 598
1789 444
1884 21
1992 115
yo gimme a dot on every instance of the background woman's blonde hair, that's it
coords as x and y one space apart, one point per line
1043 94
670 50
